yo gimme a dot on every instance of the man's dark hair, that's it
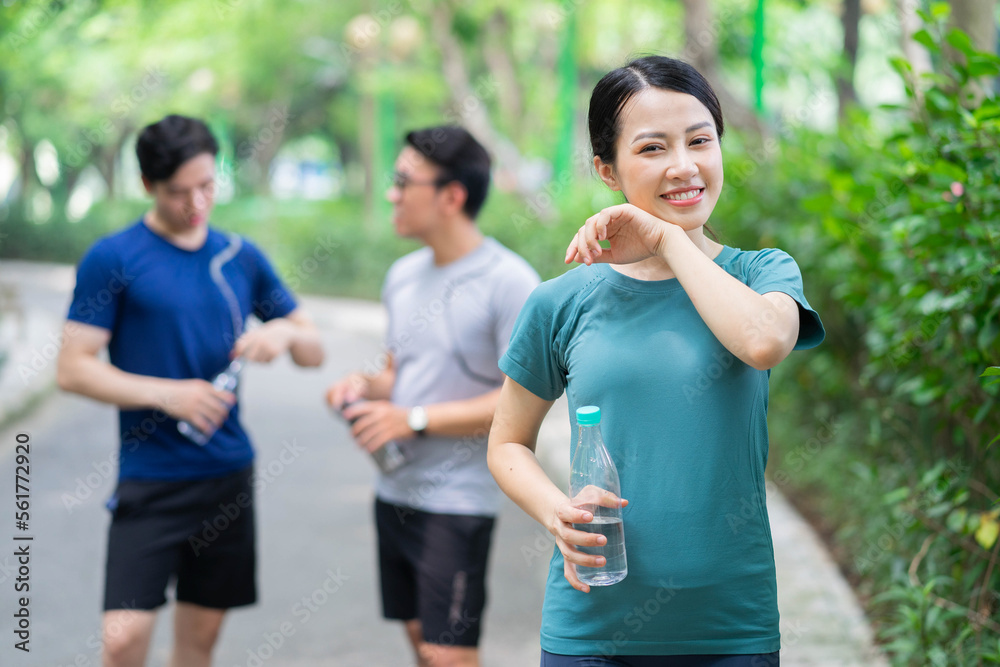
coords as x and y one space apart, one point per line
459 157
165 145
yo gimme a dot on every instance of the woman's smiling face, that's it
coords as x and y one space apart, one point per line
667 160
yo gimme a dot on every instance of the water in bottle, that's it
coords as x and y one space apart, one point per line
225 381
390 456
591 475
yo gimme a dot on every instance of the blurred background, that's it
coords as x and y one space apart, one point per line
862 137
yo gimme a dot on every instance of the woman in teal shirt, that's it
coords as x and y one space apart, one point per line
673 336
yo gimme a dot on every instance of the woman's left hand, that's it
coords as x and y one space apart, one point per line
633 235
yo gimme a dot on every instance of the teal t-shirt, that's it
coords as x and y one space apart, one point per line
685 422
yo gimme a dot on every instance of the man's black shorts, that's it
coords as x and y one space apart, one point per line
199 532
433 568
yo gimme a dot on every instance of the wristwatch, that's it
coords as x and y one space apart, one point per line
416 419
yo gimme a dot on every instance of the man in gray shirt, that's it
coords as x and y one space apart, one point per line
451 306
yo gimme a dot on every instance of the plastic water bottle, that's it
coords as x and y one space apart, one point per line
225 381
390 456
591 474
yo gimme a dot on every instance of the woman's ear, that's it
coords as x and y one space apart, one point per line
607 173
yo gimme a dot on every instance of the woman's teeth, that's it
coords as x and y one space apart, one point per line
681 196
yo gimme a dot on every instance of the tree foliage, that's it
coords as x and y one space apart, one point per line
904 255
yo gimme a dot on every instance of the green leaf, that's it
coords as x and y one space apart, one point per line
896 496
992 370
901 65
989 529
987 335
935 655
940 101
987 111
932 618
938 510
923 37
960 41
956 520
927 395
940 10
932 475
981 68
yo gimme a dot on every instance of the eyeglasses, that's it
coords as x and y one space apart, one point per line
401 181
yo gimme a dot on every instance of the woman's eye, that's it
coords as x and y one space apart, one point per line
699 141
647 149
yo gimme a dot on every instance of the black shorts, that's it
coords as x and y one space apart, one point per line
755 660
433 568
201 533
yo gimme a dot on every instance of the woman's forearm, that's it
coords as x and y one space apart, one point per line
760 330
519 475
511 454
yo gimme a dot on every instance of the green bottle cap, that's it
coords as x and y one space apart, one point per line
588 415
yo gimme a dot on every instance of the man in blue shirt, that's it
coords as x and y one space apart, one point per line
169 297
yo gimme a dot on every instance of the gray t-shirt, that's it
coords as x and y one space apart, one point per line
448 327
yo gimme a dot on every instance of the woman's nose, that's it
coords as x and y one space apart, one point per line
682 166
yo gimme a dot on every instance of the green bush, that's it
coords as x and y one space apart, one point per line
901 259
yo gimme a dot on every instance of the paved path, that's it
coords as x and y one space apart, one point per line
319 598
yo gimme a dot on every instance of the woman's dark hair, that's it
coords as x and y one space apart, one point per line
617 87
459 157
165 145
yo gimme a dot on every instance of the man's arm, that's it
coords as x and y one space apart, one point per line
294 332
378 422
356 386
471 416
79 370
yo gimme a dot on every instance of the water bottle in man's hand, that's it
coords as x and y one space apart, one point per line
390 456
225 381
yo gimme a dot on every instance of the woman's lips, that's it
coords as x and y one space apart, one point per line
692 201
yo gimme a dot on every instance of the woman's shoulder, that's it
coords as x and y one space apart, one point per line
742 262
570 287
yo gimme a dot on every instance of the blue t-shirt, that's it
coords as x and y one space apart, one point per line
685 422
168 319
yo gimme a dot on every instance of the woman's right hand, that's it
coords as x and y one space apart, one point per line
351 388
568 537
632 235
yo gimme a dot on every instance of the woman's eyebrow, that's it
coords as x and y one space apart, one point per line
649 135
663 135
698 126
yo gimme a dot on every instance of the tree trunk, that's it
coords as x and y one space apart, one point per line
977 19
501 66
366 147
850 20
268 141
469 106
29 178
909 22
109 158
702 51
